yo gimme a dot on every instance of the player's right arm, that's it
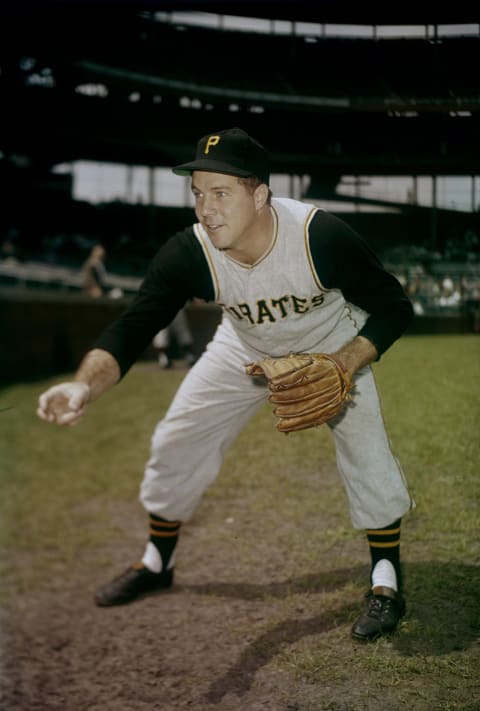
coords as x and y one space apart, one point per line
65 403
178 272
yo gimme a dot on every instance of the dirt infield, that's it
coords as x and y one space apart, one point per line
214 641
270 575
227 637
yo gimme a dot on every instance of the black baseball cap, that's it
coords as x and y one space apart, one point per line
232 152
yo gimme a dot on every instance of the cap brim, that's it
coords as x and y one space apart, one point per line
210 166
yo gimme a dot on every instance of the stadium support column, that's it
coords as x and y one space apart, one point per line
434 223
151 203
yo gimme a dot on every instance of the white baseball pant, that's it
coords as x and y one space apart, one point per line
215 401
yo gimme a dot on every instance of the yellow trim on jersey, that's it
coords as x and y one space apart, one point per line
243 265
274 237
198 234
310 217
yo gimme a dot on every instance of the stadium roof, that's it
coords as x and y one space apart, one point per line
139 83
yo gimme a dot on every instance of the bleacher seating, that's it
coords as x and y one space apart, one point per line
35 275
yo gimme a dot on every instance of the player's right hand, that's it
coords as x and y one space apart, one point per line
63 404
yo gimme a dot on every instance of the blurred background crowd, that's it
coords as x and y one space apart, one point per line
387 138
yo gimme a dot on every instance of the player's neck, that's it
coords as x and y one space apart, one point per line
258 241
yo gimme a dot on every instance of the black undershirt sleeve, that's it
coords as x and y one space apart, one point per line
344 261
177 273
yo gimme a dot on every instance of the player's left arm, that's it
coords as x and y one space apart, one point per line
357 354
344 261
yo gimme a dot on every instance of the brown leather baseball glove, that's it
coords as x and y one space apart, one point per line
307 389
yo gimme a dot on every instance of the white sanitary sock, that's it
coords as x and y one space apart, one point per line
384 574
152 559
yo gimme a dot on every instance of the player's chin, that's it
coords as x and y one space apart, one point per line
216 235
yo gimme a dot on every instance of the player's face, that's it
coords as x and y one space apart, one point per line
226 211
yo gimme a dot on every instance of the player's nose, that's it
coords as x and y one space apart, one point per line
208 207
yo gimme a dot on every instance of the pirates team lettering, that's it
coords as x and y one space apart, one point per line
273 310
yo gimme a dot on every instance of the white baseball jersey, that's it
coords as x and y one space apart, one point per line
314 289
278 305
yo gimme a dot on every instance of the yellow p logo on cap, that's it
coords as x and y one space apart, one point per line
212 141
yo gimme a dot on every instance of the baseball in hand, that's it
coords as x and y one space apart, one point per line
63 404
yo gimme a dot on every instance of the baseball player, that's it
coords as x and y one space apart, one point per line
94 272
298 289
179 331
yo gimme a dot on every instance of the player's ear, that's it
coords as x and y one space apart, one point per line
260 195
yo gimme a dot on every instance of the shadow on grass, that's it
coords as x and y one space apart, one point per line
259 653
443 615
311 583
443 608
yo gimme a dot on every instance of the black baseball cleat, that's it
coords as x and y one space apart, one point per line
133 583
384 609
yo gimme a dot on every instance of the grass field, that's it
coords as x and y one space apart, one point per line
431 400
